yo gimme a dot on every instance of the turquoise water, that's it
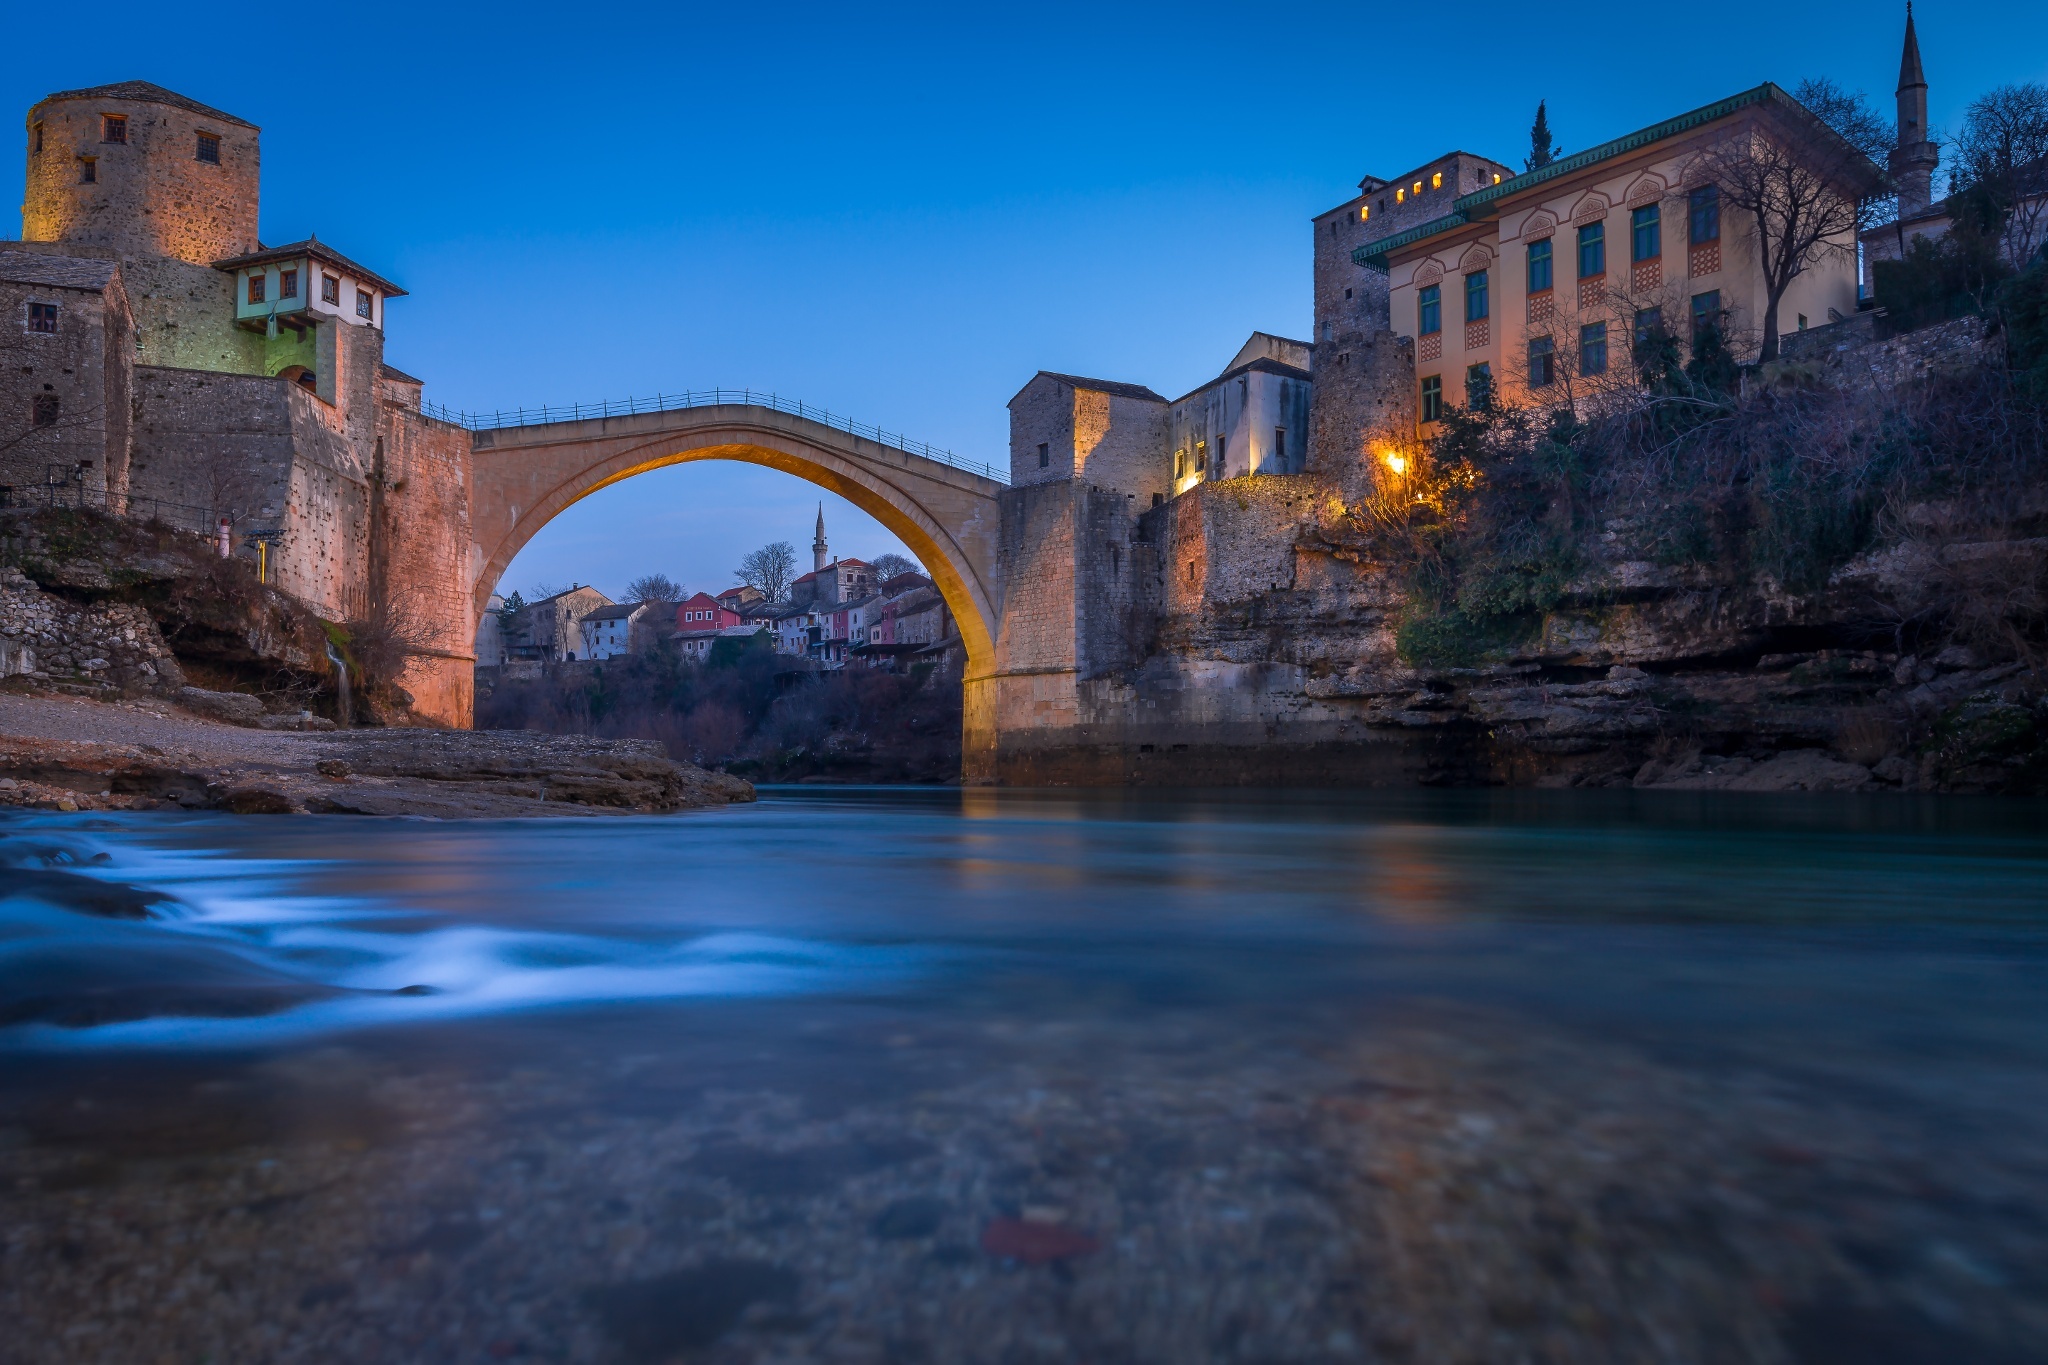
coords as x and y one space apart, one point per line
893 1075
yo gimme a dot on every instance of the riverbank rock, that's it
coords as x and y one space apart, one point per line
64 754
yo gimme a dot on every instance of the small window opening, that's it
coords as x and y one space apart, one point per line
330 289
208 149
36 139
46 409
287 284
1433 398
88 171
42 317
256 288
113 128
1280 445
1045 454
364 303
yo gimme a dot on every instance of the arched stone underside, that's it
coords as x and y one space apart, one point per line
523 477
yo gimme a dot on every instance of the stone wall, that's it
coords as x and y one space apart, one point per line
1855 351
1363 400
85 366
1116 439
419 567
51 639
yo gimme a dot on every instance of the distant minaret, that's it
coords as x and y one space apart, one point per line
1913 160
818 545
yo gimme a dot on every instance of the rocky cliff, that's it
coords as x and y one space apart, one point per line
1810 580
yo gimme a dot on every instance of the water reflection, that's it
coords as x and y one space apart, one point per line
1006 1077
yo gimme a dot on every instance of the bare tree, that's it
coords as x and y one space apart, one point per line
2003 156
1856 121
1800 185
770 570
890 565
654 587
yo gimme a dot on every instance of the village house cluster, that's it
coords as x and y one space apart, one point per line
838 615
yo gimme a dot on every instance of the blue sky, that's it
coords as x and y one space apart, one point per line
900 213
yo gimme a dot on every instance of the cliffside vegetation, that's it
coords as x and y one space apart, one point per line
1768 481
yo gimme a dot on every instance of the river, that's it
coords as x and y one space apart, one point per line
939 1076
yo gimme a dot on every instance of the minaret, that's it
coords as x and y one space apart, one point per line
1913 160
818 545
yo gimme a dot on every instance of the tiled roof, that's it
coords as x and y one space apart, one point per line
143 90
315 248
617 611
1263 365
59 272
1108 386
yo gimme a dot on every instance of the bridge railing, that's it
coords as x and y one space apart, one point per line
707 398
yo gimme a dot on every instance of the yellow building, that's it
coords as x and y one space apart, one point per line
1538 286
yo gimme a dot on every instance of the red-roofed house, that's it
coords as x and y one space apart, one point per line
705 612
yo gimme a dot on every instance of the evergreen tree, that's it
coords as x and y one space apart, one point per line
1541 152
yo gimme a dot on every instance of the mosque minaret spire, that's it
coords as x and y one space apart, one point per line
1914 158
818 545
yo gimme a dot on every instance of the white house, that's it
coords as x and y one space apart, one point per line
608 631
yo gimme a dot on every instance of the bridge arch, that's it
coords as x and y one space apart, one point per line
522 477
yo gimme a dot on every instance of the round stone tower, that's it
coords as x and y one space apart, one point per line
135 170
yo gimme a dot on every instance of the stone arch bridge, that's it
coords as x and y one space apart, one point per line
944 508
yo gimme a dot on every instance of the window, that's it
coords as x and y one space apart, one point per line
1802 322
330 289
1223 454
1649 322
1364 212
1429 309
256 288
1400 196
1201 456
1706 314
1475 296
1593 348
36 140
1646 234
364 303
1479 385
42 317
1045 454
1280 445
45 409
113 128
287 284
1180 463
1592 250
1433 398
1436 182
1703 216
1539 266
88 171
208 149
1542 361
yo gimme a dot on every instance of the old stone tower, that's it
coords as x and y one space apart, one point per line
173 365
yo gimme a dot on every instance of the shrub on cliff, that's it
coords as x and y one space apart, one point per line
1509 510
